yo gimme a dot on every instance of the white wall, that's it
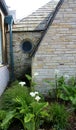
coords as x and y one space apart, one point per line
4 78
0 46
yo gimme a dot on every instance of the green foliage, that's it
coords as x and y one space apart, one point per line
72 81
32 83
29 121
56 86
58 116
18 102
28 77
15 90
67 92
7 120
39 112
2 114
32 112
29 107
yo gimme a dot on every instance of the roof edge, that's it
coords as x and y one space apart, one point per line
54 13
49 22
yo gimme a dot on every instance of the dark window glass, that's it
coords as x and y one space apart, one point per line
27 46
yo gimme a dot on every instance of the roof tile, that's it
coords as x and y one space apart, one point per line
38 20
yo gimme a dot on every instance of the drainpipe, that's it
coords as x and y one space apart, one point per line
9 21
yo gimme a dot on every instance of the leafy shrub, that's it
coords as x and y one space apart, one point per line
58 116
65 90
18 102
15 90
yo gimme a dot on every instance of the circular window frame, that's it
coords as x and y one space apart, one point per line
30 47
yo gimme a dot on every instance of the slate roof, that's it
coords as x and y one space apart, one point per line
38 20
4 7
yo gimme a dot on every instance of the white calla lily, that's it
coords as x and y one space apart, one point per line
22 83
32 94
36 93
37 98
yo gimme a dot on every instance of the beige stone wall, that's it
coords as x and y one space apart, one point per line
58 47
22 61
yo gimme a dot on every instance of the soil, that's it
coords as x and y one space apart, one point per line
72 122
16 125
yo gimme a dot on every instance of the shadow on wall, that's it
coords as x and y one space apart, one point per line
23 76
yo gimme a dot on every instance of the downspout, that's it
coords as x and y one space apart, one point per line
9 21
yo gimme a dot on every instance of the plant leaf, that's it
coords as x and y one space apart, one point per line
37 107
29 121
28 77
6 122
28 117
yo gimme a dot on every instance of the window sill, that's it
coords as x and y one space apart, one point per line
2 65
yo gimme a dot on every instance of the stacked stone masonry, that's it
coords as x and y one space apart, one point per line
22 61
31 28
57 50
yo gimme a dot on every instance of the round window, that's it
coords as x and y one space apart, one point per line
27 46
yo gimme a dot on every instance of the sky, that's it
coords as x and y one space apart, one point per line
25 7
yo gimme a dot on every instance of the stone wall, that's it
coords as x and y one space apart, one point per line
57 50
22 61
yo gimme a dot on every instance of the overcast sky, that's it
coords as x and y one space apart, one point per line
25 7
